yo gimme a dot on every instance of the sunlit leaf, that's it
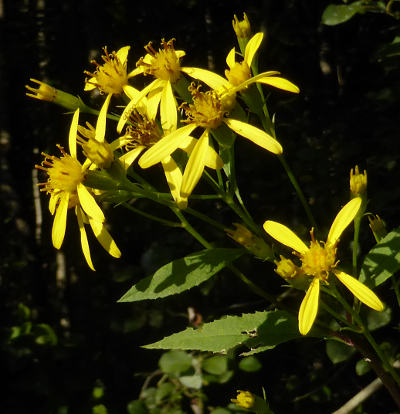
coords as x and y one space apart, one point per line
382 261
252 330
182 274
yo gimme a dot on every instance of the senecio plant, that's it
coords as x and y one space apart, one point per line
187 119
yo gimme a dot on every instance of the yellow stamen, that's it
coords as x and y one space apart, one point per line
319 259
141 131
110 77
206 111
64 173
164 63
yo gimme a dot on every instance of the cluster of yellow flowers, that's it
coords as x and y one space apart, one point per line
159 120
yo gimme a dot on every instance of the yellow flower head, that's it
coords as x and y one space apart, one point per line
244 399
141 131
319 260
99 153
110 77
286 268
242 28
65 177
163 64
206 111
64 173
44 92
358 182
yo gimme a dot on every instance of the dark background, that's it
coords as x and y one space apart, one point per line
346 114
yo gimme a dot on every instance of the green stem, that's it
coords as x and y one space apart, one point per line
357 222
189 228
151 217
367 334
205 218
298 190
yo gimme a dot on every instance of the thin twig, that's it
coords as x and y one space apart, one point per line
360 397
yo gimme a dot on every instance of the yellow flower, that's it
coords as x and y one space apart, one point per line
143 132
244 399
66 189
319 260
239 74
358 182
111 77
207 112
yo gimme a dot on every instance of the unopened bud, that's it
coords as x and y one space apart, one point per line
358 182
251 242
378 227
45 92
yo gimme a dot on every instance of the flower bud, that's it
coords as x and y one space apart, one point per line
378 227
244 399
251 242
242 28
45 92
358 182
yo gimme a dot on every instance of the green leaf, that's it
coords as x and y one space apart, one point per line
136 407
339 13
216 365
191 381
362 367
182 274
268 328
338 351
376 320
382 261
250 364
175 362
220 410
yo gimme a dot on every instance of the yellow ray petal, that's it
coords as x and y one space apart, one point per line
213 160
258 136
104 238
180 53
53 202
165 147
60 221
89 204
343 219
174 177
252 47
128 158
101 120
135 72
285 236
89 86
122 54
309 307
72 134
84 240
168 113
152 103
119 142
211 79
230 59
130 91
278 82
195 165
360 291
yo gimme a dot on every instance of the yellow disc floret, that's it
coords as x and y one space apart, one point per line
207 110
64 173
110 77
319 259
163 64
141 131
